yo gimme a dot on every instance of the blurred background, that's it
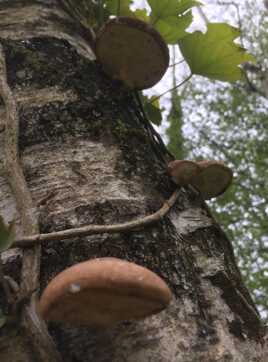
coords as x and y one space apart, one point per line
207 119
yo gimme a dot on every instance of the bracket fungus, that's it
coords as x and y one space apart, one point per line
102 292
132 51
213 180
210 178
183 171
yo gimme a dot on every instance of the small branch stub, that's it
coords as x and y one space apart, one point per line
132 51
107 291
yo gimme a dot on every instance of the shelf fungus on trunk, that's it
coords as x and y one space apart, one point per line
210 178
213 180
132 51
183 171
102 292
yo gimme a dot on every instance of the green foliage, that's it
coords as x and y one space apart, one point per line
176 144
214 54
141 14
229 123
170 19
165 8
7 235
152 109
232 125
173 28
123 6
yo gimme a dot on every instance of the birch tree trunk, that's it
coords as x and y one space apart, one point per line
85 155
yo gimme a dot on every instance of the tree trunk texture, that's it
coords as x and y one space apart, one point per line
87 156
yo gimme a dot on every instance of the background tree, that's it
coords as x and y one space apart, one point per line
228 122
77 150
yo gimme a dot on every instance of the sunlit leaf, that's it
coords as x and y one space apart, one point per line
124 8
214 54
172 28
141 14
164 8
152 109
170 19
185 5
7 235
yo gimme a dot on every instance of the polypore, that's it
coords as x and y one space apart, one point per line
210 178
183 172
213 179
132 51
102 292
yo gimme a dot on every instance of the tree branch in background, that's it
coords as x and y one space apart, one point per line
36 329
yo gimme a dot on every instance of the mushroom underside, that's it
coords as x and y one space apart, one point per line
102 292
213 180
101 308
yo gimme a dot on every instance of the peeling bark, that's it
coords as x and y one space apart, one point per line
88 157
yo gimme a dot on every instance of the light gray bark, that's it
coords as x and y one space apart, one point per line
88 159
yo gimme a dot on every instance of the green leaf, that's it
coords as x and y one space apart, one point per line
113 6
153 111
185 5
125 10
141 14
214 54
172 28
169 18
3 318
164 8
7 235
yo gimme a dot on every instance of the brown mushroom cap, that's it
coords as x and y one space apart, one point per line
102 292
213 179
132 51
183 172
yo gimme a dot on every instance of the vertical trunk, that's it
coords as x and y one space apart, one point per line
88 157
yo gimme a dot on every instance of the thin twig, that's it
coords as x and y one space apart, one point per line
152 132
4 283
13 169
177 63
170 90
99 229
203 14
16 179
35 328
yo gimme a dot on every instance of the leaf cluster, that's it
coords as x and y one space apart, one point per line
213 54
